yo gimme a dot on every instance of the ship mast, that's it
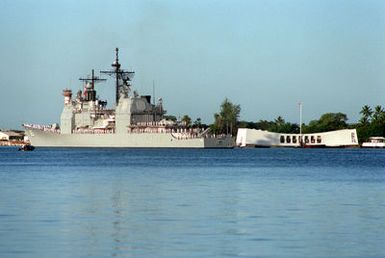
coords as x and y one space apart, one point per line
89 87
94 79
122 77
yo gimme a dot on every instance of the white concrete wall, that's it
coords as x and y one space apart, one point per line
252 137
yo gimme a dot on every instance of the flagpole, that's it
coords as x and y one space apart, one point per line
300 121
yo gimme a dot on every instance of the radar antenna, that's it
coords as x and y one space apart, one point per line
89 87
122 77
94 79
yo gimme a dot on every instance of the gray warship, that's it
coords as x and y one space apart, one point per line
135 122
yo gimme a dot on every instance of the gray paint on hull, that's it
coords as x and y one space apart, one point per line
42 138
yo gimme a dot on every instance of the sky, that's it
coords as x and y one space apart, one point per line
265 55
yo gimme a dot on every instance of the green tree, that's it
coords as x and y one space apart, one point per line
197 123
276 125
226 120
279 121
218 124
366 113
378 113
281 126
186 120
363 132
364 127
170 117
247 124
377 125
265 125
327 122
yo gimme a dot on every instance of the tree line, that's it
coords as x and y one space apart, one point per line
327 122
226 121
372 122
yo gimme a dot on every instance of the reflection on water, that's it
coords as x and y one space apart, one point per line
117 224
203 203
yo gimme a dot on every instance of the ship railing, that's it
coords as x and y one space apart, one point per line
93 131
218 135
183 133
45 128
185 136
188 133
177 133
152 124
149 130
205 132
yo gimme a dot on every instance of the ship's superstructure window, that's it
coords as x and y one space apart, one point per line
319 139
306 139
312 140
294 139
282 139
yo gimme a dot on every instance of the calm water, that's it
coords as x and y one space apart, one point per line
192 203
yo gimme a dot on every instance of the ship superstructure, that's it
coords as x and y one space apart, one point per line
134 122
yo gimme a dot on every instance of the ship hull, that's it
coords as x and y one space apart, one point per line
41 138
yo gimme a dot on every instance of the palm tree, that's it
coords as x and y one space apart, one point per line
366 113
378 113
198 122
218 124
229 115
186 120
279 120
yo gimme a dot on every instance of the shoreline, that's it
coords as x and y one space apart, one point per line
12 143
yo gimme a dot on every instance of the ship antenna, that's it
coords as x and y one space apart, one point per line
94 79
116 65
117 56
153 91
120 75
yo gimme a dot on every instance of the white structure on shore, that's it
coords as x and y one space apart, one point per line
11 136
258 138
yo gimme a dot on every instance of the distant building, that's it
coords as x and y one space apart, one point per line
7 136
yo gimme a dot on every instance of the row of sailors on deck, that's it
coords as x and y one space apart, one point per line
138 130
51 128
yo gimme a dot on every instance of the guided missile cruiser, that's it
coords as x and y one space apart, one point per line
135 121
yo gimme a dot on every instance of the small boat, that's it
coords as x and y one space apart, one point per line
374 142
26 147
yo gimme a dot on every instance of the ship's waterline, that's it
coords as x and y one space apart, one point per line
43 138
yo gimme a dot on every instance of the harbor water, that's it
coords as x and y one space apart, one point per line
192 203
